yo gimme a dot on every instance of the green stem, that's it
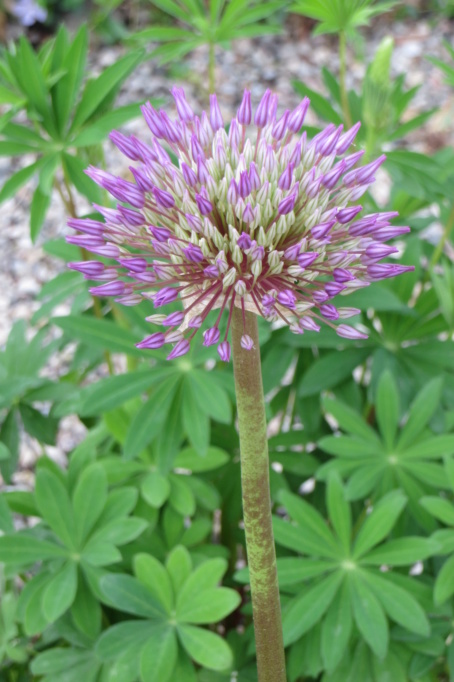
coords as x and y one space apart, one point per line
444 238
256 501
211 68
342 83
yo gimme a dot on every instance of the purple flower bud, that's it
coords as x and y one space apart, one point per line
320 296
244 185
248 214
234 134
244 241
321 231
174 319
342 275
286 179
134 264
314 187
202 170
211 336
195 322
292 252
272 109
247 342
109 289
85 241
181 348
224 351
329 311
172 128
377 250
385 270
196 148
366 173
87 226
215 114
211 271
194 222
244 113
352 159
142 178
203 204
327 146
261 114
334 288
130 217
280 127
268 300
194 253
362 226
184 110
254 177
89 268
161 234
347 138
189 176
287 205
163 198
345 215
154 341
309 324
348 332
125 144
331 178
287 298
164 296
306 259
298 151
296 118
256 252
232 192
153 119
385 233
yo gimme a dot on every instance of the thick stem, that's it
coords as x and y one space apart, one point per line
342 83
256 501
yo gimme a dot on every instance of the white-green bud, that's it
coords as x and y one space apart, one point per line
240 288
256 268
237 254
229 278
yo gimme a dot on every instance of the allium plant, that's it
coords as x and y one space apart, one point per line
254 221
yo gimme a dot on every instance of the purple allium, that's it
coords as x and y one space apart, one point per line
259 218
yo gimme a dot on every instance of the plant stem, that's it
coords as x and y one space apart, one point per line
342 83
256 501
211 68
444 238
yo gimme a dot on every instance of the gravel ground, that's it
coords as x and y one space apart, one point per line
257 64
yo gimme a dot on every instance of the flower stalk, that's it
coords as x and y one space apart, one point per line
256 500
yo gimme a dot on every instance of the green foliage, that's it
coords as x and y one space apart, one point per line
67 118
171 601
214 23
341 16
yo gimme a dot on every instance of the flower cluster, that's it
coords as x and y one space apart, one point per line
257 217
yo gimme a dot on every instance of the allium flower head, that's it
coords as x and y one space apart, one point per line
256 217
